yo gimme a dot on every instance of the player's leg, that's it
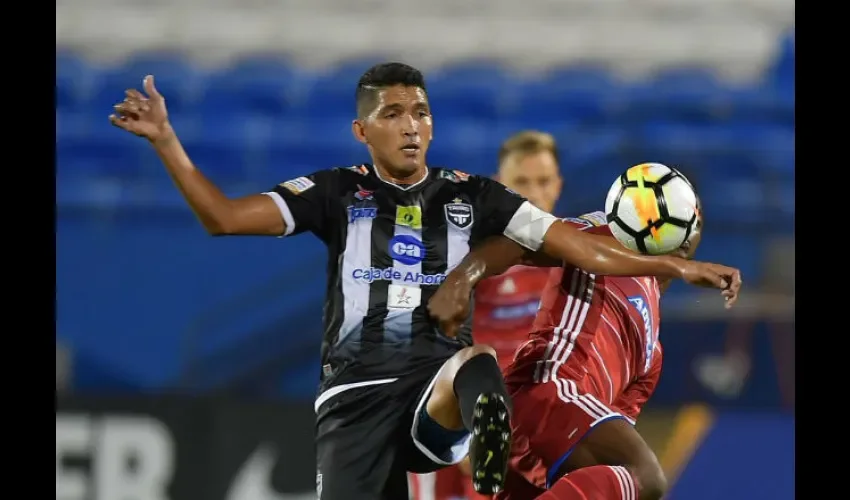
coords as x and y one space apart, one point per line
588 449
443 484
612 458
467 395
356 446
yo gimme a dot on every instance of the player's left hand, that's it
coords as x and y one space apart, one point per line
145 116
449 305
705 274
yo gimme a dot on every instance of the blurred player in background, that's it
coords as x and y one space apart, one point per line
592 362
505 305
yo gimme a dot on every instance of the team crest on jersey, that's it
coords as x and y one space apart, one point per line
360 169
454 175
459 214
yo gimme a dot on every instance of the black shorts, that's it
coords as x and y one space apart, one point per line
367 439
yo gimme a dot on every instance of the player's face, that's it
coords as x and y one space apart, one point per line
689 248
534 176
399 130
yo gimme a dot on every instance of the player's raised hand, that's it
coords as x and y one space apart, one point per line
145 116
449 306
710 275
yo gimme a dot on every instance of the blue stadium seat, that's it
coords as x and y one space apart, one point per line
261 85
782 73
332 90
76 79
88 145
474 90
589 146
684 94
579 93
176 78
762 102
736 249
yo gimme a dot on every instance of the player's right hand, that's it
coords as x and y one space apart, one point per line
449 306
705 274
145 116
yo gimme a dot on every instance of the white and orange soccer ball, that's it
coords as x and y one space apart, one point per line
652 209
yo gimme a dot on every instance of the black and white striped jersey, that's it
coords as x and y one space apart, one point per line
389 247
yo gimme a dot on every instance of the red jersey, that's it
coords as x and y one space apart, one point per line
600 330
505 307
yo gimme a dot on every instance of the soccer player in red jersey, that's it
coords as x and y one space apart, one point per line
591 362
505 305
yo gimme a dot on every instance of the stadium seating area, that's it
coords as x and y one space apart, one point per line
615 82
262 119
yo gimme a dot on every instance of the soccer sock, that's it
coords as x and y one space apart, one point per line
599 482
479 375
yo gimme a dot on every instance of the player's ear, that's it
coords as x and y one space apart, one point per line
359 131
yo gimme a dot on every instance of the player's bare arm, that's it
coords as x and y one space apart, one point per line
147 116
561 242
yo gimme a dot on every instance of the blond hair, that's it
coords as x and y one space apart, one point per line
528 142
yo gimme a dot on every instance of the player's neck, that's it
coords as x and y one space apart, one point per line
387 176
664 285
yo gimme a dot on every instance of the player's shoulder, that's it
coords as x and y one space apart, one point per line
450 176
351 173
348 176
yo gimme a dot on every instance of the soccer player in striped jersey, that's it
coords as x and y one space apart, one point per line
396 394
578 384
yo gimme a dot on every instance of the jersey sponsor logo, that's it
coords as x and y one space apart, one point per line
409 216
372 274
459 214
516 311
363 194
355 213
454 175
298 185
507 287
360 169
407 249
640 304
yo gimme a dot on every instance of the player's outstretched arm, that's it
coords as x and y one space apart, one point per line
537 230
147 116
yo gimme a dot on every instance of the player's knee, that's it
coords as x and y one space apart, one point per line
650 480
470 352
445 381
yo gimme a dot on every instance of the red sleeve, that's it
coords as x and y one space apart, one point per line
636 394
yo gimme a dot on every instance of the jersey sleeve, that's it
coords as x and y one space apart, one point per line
305 203
593 222
635 395
505 212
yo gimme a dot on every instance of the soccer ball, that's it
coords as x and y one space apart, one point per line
652 209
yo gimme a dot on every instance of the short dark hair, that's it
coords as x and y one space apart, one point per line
381 76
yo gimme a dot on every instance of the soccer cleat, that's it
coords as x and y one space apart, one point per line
490 445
